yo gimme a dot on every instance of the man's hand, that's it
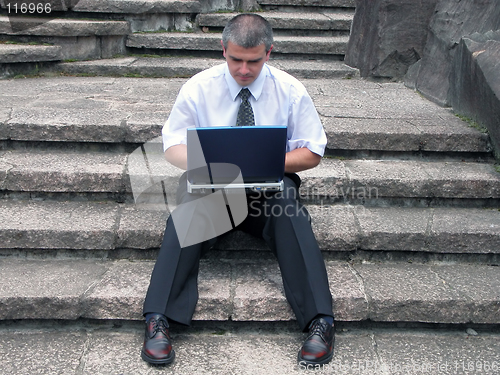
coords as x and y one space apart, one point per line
300 159
177 155
297 160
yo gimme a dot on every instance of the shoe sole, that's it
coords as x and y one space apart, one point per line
153 361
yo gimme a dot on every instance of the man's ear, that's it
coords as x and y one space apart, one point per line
223 49
269 52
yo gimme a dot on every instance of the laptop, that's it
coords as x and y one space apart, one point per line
249 157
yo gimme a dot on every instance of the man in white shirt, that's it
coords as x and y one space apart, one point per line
268 97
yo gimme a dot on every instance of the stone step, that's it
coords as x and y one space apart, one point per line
226 348
63 171
251 290
23 53
246 347
33 26
134 6
311 3
323 46
75 39
340 21
356 114
173 67
83 229
151 15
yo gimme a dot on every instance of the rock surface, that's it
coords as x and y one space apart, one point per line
448 50
452 21
388 36
475 82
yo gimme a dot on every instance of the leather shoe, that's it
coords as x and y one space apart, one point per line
318 346
157 348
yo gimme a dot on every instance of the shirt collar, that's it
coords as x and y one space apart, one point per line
255 87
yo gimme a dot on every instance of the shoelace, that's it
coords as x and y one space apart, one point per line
159 326
319 329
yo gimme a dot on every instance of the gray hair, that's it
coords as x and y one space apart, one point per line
248 30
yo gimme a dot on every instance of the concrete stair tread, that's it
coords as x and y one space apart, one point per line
71 171
286 20
63 27
448 134
20 53
187 67
105 226
124 6
244 347
356 114
335 45
138 6
300 3
251 290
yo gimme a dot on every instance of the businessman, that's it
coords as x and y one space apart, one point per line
246 91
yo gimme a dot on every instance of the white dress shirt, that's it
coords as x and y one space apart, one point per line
210 98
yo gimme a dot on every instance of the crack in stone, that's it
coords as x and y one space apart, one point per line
362 288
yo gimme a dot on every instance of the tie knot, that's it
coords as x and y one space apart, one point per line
245 94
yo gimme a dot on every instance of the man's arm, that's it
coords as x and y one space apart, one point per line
177 155
301 159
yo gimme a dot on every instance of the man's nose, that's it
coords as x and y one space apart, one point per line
244 68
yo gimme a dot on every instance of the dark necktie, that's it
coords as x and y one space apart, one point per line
245 113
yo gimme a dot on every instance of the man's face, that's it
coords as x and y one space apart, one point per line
245 64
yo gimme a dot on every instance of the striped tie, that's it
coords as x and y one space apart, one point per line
245 113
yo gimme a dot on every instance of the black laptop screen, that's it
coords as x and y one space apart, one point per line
258 151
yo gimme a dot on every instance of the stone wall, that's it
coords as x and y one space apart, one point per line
229 5
475 82
453 20
387 36
445 49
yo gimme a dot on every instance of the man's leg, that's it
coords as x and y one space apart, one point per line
173 289
285 226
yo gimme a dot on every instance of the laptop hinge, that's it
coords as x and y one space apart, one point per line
255 187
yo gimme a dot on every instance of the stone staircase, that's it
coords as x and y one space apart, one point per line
173 38
410 231
405 205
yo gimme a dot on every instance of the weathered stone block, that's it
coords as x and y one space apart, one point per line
62 27
452 20
334 227
480 285
349 298
475 82
67 120
393 228
55 352
65 172
259 293
120 292
137 6
58 225
388 36
216 5
33 284
323 3
412 293
160 21
465 230
141 228
215 288
20 53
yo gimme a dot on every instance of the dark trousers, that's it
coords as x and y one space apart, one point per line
278 218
